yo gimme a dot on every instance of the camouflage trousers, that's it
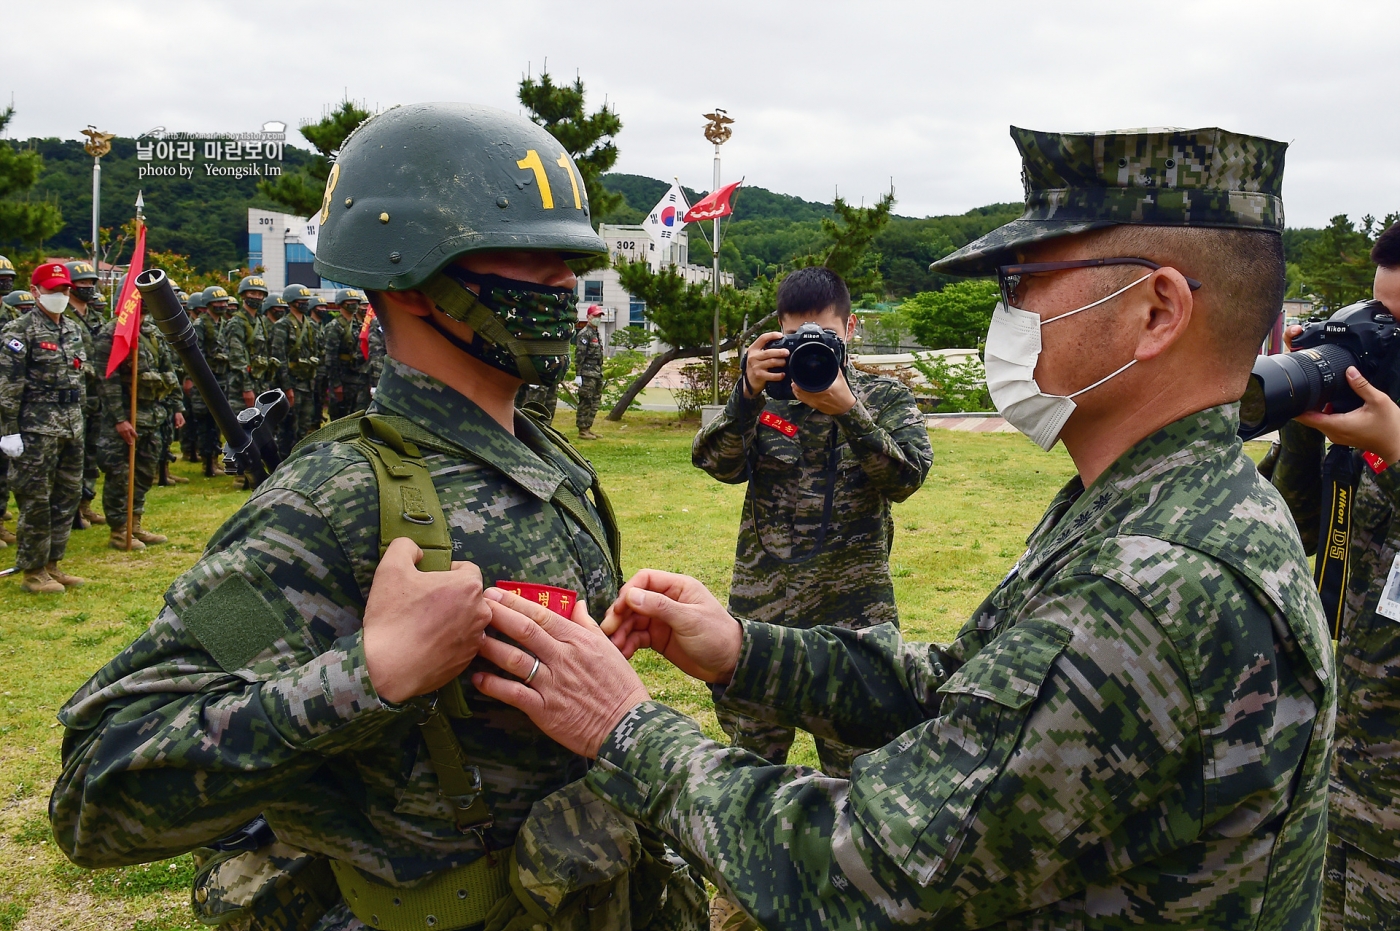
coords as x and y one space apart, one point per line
545 399
1359 892
206 433
302 418
91 427
48 482
113 452
355 398
4 484
590 395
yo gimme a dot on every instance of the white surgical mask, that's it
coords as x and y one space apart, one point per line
1013 347
54 303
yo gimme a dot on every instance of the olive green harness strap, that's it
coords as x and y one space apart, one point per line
460 304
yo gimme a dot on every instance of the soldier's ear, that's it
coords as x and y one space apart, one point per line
409 302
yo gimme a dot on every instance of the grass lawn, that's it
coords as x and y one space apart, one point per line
955 539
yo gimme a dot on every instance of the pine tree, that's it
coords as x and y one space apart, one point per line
301 191
23 221
588 137
848 252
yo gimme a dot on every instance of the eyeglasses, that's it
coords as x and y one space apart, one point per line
1009 276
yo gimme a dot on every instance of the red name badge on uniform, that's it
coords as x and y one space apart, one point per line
770 419
1377 464
51 347
559 600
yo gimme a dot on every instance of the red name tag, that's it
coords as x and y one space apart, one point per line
559 600
770 419
1377 464
51 347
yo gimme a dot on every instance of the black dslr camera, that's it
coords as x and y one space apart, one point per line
1314 374
815 357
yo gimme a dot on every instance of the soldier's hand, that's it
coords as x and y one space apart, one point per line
421 629
339 393
248 398
1290 333
676 616
127 432
835 400
179 420
291 396
1374 426
760 364
582 687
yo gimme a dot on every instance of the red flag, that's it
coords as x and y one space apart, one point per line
128 307
714 206
364 332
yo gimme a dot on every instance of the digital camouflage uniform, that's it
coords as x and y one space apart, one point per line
208 331
42 395
294 347
92 322
1362 883
884 455
296 731
158 398
1131 731
588 361
376 350
346 367
15 304
245 341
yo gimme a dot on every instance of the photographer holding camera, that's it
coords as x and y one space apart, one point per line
1362 880
822 468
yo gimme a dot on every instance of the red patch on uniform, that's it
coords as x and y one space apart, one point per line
559 600
1377 464
51 347
77 363
770 419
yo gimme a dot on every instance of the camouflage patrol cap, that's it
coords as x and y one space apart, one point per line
1076 182
81 270
18 299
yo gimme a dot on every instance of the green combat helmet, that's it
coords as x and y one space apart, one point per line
196 302
421 185
215 295
183 298
84 278
296 295
273 301
348 296
22 301
251 291
7 276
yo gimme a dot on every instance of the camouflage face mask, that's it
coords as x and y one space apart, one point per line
519 327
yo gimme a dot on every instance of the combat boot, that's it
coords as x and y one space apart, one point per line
79 523
63 578
117 540
167 478
89 515
7 537
218 469
588 435
40 582
145 536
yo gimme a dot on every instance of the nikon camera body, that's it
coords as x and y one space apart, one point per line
815 358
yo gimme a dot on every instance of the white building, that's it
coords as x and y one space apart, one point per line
276 242
603 287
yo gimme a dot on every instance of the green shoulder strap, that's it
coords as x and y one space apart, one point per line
612 533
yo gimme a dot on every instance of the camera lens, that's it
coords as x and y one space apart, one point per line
1282 387
813 366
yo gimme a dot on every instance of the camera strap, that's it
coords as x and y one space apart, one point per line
1341 473
833 449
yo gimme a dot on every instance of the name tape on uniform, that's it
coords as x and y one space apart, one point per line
770 419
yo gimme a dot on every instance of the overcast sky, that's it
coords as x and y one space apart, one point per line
825 95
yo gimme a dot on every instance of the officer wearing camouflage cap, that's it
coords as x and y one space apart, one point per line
347 369
294 348
304 668
80 298
1133 729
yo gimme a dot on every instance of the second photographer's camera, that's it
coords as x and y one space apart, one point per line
815 358
1313 375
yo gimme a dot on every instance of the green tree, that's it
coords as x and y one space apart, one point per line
588 137
301 191
954 318
847 249
23 220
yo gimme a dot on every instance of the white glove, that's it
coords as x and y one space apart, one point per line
12 445
578 381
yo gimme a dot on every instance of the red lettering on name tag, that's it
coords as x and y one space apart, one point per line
559 600
1377 464
770 419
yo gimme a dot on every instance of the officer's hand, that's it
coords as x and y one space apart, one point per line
339 394
12 445
179 420
835 400
291 396
421 629
677 617
248 398
1374 426
583 686
127 432
760 363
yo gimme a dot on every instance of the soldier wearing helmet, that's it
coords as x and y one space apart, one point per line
207 324
294 346
80 297
347 369
457 220
14 305
7 276
245 339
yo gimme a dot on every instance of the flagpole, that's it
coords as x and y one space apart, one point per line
718 132
135 361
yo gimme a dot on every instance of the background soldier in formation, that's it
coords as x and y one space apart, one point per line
158 402
294 346
42 396
347 370
80 297
14 304
207 327
245 341
588 359
320 311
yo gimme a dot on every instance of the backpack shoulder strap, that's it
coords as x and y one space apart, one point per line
611 535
